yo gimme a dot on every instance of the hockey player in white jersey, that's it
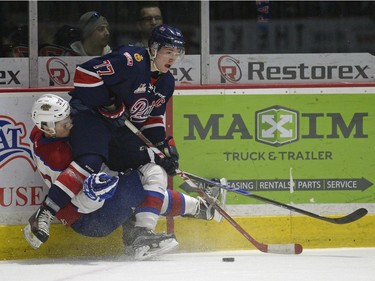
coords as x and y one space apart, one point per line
52 155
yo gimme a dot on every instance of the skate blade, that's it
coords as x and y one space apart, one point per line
147 253
164 248
136 253
33 241
141 253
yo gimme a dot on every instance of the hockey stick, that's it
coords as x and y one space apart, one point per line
271 248
357 214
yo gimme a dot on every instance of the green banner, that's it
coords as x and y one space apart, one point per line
300 148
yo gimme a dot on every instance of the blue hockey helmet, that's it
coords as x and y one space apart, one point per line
164 35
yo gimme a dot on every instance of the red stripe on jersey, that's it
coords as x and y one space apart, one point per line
68 215
72 179
176 209
152 202
84 78
154 120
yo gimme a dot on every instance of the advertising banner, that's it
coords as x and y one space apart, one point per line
14 72
294 148
224 69
58 71
22 189
292 68
299 148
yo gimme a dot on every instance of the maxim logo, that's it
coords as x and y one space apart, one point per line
276 126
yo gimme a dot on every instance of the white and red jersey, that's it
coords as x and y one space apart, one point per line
51 155
54 160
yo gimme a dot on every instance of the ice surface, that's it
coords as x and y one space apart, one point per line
347 264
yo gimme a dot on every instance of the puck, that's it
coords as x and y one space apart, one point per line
228 259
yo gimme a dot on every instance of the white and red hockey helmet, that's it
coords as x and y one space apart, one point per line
48 110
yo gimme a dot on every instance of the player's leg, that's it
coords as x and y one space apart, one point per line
180 204
138 234
115 211
69 182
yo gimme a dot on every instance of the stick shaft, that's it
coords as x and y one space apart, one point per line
357 214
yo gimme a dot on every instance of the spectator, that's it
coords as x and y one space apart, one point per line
63 38
149 16
66 35
94 36
17 42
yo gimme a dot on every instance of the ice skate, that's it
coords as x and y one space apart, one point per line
219 196
142 243
204 211
37 231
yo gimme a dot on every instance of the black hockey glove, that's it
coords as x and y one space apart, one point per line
115 113
170 162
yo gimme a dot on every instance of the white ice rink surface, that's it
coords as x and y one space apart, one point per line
324 265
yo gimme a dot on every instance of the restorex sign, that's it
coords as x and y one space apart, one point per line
291 68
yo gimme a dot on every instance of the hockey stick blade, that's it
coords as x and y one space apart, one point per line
265 248
356 215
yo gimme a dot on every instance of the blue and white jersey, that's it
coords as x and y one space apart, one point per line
126 73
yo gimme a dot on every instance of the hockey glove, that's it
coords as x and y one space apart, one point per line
116 113
170 162
100 186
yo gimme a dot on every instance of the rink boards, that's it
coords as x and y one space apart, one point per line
311 147
197 235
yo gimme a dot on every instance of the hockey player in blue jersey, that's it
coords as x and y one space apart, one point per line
131 82
134 83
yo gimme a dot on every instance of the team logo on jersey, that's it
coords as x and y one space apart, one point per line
129 58
141 89
142 108
138 57
12 142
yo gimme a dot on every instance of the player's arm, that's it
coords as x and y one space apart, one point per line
94 80
96 189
